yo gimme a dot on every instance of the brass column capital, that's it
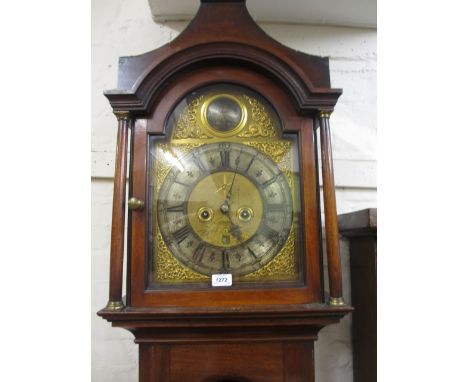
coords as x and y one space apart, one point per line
122 115
325 113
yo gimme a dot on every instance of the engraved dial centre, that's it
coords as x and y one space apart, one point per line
225 228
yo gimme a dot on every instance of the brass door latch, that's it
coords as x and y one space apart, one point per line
135 204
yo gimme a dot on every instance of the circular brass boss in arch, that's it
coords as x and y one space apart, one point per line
224 115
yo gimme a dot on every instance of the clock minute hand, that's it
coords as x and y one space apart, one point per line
228 195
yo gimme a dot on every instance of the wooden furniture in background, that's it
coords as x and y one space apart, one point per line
361 229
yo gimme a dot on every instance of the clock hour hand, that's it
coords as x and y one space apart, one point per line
235 229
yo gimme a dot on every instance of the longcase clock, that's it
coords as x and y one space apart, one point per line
224 268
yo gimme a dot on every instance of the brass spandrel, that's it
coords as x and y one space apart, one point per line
254 121
168 269
189 123
259 124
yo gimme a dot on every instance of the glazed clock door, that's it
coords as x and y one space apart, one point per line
224 194
224 215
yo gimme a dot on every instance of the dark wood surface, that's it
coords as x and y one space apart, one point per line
223 32
235 362
118 211
361 228
331 222
254 344
359 223
248 343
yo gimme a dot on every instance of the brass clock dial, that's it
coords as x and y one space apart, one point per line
224 193
225 208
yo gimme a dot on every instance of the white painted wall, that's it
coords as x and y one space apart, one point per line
355 13
125 27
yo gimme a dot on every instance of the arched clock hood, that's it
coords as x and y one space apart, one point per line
223 32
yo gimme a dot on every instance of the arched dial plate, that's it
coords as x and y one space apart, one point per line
225 208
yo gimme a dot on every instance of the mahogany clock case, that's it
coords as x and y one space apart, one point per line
150 86
307 290
180 331
267 327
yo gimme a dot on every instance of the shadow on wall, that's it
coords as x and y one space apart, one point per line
177 26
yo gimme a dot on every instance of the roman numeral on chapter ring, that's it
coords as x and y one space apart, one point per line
226 262
269 182
250 163
275 207
181 234
181 183
178 208
270 233
198 253
225 156
199 163
252 253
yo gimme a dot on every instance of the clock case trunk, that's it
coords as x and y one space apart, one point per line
224 45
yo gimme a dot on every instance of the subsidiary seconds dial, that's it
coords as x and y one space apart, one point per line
225 208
